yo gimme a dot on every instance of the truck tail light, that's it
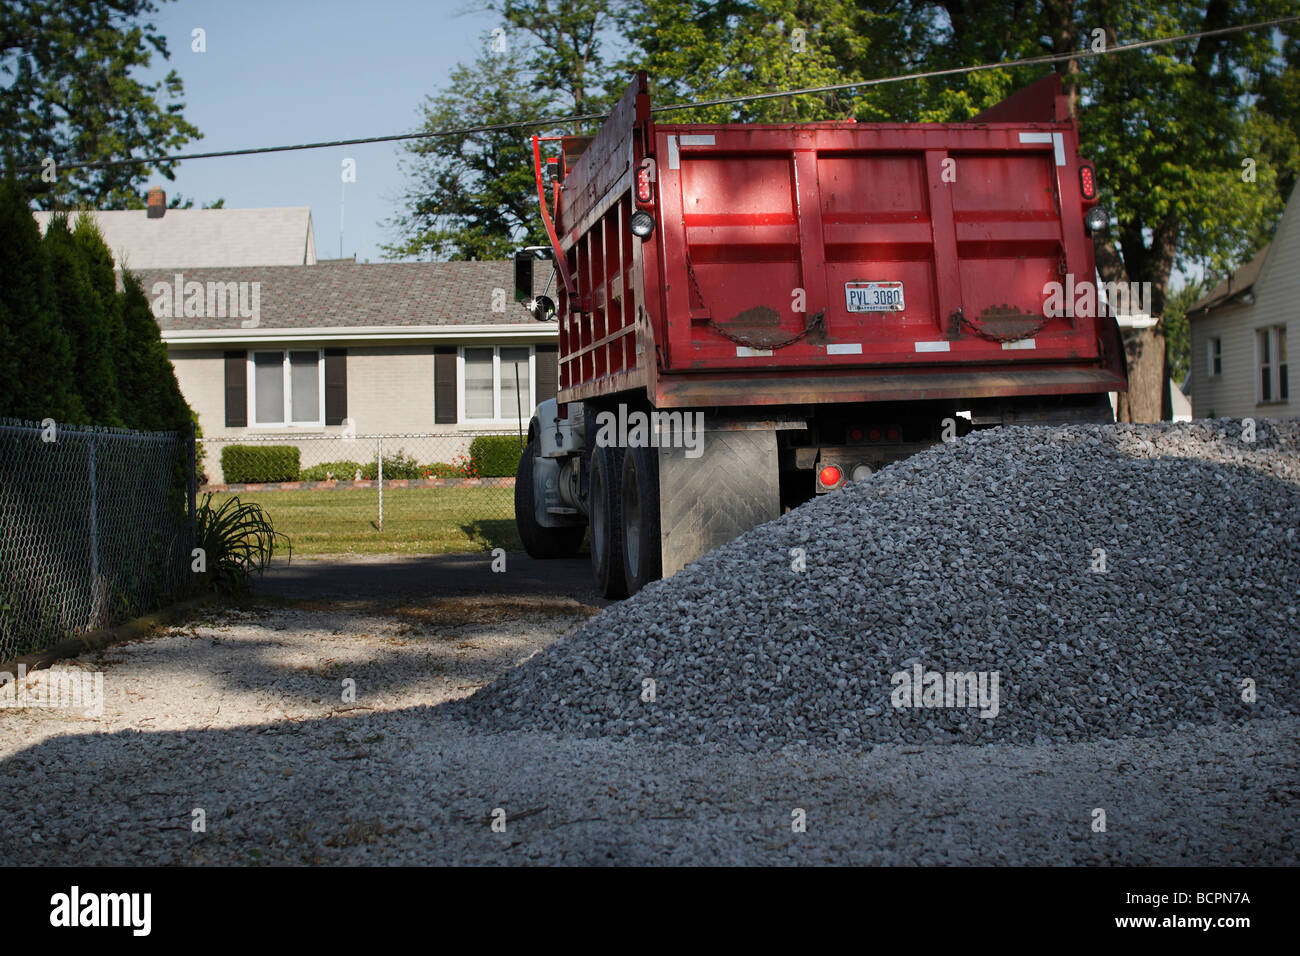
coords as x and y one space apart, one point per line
892 434
642 224
830 476
1087 182
644 188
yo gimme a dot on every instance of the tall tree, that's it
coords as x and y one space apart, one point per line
473 196
566 52
36 360
67 92
84 315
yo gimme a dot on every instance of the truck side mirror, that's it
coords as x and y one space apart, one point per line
523 276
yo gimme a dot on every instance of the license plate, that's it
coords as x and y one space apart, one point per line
874 296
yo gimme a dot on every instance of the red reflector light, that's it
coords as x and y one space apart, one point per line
830 476
643 188
874 434
893 434
1087 182
855 434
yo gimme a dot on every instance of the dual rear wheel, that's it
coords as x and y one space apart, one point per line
623 510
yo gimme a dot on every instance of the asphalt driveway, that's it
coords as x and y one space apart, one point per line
402 577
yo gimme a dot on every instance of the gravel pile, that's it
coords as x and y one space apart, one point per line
1097 581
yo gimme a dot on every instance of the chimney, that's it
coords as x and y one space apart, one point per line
157 202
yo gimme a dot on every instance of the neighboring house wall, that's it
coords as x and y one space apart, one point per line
390 390
1236 391
1231 393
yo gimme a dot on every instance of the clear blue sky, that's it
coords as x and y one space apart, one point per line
290 71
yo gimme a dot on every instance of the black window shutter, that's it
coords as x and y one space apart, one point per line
236 389
444 384
548 372
336 386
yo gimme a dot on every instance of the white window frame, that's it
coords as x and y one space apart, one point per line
1213 352
498 418
251 379
1270 334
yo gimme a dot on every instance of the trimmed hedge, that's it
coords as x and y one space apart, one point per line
497 456
254 464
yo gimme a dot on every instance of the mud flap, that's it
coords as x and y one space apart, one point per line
707 501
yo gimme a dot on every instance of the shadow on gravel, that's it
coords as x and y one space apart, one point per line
446 647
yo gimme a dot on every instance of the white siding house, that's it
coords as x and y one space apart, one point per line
1241 333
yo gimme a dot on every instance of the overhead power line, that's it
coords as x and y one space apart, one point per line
723 101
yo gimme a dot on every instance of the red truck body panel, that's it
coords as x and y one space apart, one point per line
762 232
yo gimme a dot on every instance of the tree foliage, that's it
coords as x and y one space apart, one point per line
72 347
67 90
473 196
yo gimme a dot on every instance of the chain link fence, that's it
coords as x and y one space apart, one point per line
391 493
95 528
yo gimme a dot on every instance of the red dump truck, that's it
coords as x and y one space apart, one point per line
750 315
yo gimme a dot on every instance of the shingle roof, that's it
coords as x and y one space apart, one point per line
205 238
369 295
1238 282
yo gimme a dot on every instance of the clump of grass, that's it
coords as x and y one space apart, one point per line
238 540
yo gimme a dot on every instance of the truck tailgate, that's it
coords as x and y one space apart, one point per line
838 244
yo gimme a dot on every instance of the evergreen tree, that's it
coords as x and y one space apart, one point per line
156 402
82 314
103 281
36 359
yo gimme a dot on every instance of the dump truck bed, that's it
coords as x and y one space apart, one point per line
830 262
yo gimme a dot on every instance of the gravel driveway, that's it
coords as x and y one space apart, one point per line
241 716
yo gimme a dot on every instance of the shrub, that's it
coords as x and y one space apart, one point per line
244 464
395 467
496 456
341 470
237 539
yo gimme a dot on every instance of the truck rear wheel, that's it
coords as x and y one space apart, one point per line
606 522
640 514
539 541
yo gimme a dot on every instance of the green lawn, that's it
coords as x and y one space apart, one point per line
416 520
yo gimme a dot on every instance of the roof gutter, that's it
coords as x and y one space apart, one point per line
408 333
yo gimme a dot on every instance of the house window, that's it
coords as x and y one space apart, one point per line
1270 357
1283 392
1214 357
496 383
288 387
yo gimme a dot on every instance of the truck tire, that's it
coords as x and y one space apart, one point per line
606 523
639 510
539 542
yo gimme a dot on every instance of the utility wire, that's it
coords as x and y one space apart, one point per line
723 101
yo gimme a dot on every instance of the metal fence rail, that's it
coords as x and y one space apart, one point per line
404 492
95 527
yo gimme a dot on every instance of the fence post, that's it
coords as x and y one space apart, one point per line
192 448
380 441
95 608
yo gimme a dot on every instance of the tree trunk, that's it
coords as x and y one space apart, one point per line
1147 377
